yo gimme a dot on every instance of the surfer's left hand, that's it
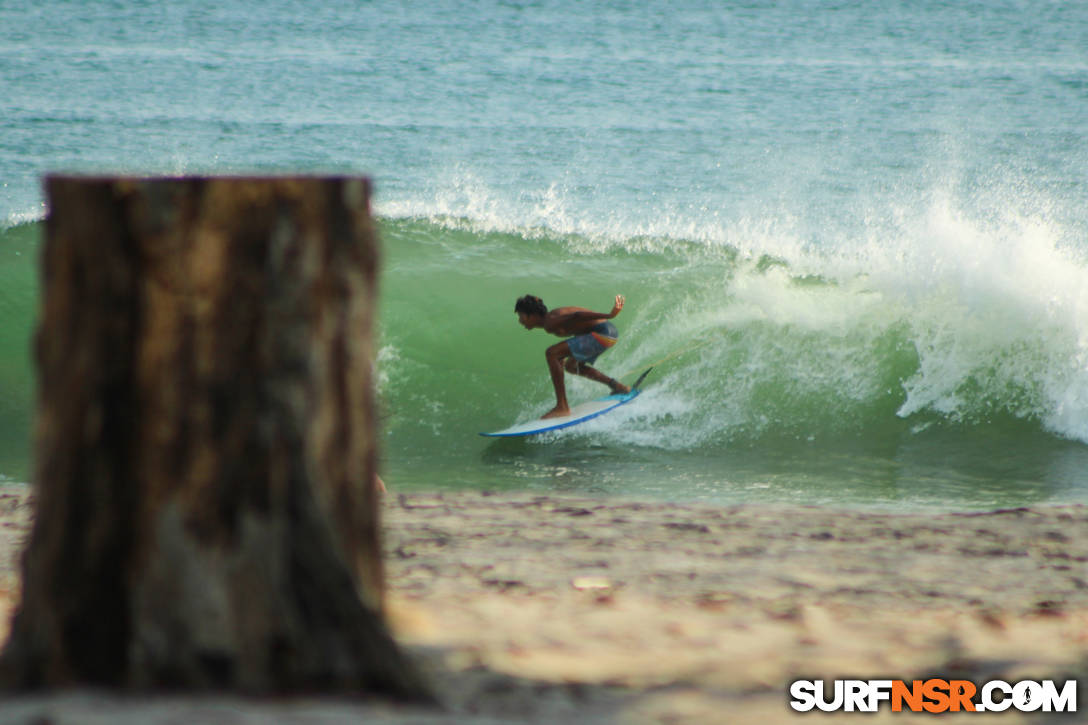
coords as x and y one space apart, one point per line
618 306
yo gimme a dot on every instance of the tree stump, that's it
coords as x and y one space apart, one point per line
205 442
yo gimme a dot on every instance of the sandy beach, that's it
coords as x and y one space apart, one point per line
543 609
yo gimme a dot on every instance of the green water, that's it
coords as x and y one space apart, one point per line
18 299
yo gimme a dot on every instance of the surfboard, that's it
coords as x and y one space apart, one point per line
578 414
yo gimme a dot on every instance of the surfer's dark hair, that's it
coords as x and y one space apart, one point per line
531 306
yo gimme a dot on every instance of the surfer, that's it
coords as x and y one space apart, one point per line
590 334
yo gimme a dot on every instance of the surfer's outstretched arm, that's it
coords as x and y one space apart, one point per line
581 313
576 320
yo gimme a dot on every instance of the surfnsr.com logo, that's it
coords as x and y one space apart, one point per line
933 696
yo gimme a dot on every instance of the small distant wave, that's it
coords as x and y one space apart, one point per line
20 218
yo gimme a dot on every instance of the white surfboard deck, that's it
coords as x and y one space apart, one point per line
578 414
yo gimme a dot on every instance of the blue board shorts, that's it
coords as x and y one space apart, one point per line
586 348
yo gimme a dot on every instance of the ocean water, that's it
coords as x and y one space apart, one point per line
853 236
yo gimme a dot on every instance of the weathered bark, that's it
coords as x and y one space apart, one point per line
205 442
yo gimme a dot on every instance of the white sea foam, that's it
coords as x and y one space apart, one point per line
28 216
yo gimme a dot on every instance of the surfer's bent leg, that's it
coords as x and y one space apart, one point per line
555 356
584 351
588 371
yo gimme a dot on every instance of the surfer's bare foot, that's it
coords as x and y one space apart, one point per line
619 388
556 412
